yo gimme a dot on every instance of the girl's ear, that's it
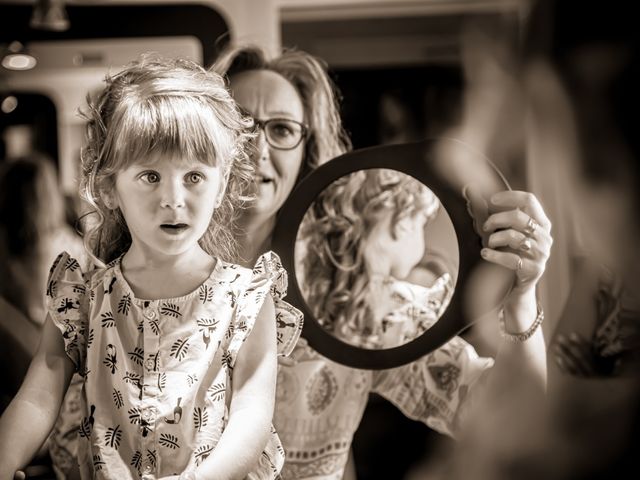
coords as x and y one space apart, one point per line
221 191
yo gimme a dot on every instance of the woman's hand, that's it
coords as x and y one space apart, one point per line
520 238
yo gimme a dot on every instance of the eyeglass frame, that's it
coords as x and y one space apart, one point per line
261 124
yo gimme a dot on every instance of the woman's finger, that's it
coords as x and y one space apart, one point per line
525 201
513 239
526 269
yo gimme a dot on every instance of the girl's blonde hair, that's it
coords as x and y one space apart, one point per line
326 137
163 106
334 233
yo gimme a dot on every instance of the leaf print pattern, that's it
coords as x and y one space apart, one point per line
205 294
155 326
200 417
86 424
124 305
202 453
71 264
118 401
136 460
98 463
170 310
226 360
79 289
137 356
162 381
68 304
180 348
90 338
216 392
107 320
141 326
113 436
169 441
52 287
207 322
151 457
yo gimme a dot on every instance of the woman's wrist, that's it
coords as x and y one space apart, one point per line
520 310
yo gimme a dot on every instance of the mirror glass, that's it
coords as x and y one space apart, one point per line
383 255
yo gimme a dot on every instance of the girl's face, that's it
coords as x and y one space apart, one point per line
266 95
167 203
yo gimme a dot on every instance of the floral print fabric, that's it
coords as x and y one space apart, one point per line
157 374
320 403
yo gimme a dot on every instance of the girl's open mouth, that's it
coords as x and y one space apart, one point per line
174 228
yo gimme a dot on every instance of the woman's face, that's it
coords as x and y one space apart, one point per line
266 95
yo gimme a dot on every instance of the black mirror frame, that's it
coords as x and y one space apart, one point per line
413 159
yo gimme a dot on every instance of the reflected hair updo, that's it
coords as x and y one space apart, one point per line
333 235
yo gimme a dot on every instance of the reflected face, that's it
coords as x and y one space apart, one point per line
265 95
167 203
396 249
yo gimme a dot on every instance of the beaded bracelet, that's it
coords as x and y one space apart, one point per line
522 336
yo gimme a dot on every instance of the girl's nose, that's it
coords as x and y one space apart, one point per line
173 195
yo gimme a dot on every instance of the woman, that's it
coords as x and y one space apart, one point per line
320 403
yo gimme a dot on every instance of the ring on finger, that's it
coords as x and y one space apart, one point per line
525 244
531 227
519 264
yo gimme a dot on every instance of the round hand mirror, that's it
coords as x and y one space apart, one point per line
382 246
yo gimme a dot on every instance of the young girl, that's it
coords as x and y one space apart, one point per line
176 345
362 238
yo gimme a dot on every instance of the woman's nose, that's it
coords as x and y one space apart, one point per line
173 195
260 147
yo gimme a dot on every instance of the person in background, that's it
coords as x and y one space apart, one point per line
294 109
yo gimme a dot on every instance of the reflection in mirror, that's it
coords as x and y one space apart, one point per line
376 258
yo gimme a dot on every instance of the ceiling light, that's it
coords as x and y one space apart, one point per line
17 58
49 15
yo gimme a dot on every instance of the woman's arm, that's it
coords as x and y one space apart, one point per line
520 240
252 403
30 416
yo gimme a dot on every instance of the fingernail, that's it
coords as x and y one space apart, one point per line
574 337
485 226
484 252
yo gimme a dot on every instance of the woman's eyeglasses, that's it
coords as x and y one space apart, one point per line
282 133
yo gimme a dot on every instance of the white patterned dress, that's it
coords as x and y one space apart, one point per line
158 374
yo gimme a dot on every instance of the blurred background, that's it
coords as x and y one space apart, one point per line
546 89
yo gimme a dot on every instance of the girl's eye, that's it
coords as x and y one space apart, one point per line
150 177
195 177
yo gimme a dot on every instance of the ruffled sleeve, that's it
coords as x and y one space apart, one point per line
435 389
67 303
267 278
